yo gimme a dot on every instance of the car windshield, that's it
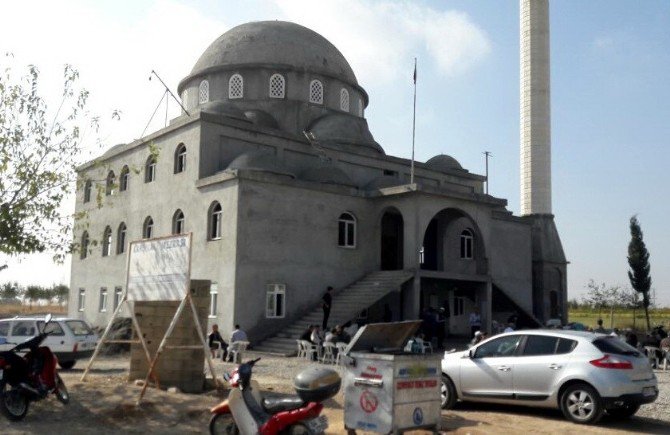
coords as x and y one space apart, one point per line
79 327
615 346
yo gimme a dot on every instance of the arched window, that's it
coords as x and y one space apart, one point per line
203 94
124 178
84 245
344 100
148 228
346 231
107 242
121 239
180 158
316 92
214 221
235 87
178 222
360 107
87 190
277 86
150 170
109 184
466 244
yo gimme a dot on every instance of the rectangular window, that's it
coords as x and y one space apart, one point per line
118 292
82 299
213 299
459 306
103 300
275 298
4 329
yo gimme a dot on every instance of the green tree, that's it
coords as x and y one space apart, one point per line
33 293
39 152
638 260
60 293
9 291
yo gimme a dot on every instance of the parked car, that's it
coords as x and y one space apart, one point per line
581 373
70 339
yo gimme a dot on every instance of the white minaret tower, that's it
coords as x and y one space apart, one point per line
535 108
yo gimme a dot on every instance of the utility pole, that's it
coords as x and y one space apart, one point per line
487 154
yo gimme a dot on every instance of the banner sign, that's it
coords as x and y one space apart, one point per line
158 269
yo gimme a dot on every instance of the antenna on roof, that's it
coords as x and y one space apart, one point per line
169 91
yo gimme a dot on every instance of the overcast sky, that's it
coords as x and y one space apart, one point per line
610 95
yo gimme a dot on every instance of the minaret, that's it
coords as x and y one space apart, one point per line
535 108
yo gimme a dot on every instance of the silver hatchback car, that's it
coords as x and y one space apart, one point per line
581 373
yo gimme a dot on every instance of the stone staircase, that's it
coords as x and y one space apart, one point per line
347 304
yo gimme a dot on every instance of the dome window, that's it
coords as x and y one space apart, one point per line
277 86
344 100
316 92
204 92
235 87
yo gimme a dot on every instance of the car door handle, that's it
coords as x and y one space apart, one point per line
555 366
504 368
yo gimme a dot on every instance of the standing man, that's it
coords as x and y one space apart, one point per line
327 303
475 322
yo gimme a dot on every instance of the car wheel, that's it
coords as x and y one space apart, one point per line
625 411
582 404
13 402
447 393
67 365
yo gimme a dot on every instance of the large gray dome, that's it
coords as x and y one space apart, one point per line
275 43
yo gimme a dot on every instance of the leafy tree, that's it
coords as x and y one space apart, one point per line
60 293
9 291
601 296
638 260
33 293
39 151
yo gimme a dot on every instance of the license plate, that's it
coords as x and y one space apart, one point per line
318 425
648 391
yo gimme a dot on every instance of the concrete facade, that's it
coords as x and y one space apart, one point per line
282 197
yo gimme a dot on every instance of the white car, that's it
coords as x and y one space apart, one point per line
581 373
71 339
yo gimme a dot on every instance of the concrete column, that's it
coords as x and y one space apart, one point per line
487 307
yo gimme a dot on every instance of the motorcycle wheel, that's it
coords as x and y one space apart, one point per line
13 403
223 424
299 429
61 391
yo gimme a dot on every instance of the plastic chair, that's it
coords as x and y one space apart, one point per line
666 354
328 356
652 354
302 352
340 346
427 347
235 350
310 349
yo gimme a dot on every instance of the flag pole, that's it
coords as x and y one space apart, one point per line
411 171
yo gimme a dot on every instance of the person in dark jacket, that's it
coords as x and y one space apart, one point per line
215 337
327 304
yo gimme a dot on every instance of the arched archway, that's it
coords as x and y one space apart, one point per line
392 233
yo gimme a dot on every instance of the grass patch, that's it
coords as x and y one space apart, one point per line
17 310
621 318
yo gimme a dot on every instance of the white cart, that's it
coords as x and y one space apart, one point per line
387 390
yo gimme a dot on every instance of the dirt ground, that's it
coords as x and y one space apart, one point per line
105 404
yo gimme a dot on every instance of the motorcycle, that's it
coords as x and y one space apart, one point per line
29 378
247 412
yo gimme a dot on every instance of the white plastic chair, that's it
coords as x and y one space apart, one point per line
235 350
427 347
328 356
302 352
310 349
666 354
340 346
652 354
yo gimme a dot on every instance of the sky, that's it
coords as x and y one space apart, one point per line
610 63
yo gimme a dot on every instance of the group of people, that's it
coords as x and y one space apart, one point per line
338 334
215 340
434 325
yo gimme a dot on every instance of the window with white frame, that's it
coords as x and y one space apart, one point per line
344 100
148 228
422 255
277 86
466 244
178 222
121 239
124 178
109 184
118 293
316 92
150 170
102 306
87 190
84 245
203 94
180 159
346 237
214 221
107 242
213 299
275 300
235 87
81 301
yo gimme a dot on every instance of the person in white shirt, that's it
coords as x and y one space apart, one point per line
238 335
510 327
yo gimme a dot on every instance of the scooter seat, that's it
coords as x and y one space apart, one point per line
280 404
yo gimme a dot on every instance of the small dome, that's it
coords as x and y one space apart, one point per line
261 162
223 108
340 129
443 163
261 118
327 174
383 182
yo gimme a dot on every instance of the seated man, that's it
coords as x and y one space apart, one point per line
215 337
237 335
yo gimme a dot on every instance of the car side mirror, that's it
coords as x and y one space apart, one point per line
47 319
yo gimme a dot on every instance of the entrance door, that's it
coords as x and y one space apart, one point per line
392 241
